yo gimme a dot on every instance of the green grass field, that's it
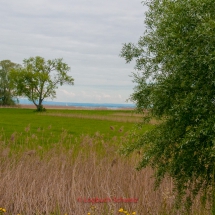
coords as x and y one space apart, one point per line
51 126
76 122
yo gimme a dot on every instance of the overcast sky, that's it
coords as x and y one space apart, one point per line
87 34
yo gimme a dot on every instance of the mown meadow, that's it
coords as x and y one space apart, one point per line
68 162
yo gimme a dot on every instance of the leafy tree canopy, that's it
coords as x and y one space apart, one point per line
6 90
38 79
175 59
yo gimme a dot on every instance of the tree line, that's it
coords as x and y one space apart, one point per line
36 79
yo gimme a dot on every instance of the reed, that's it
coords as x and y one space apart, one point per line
68 178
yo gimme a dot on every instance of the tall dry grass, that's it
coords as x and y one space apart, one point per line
32 182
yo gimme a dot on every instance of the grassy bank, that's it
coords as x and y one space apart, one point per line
30 130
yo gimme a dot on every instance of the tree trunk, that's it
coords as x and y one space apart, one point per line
40 107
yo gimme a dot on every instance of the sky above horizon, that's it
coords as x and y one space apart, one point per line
88 35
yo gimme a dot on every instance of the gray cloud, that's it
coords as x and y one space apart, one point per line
87 34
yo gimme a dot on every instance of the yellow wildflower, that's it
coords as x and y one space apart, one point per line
133 213
120 210
2 210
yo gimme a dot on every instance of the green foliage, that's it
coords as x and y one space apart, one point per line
6 90
176 81
38 79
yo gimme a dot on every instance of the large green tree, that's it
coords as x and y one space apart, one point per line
175 81
38 79
6 90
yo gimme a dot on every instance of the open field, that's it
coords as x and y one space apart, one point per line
46 128
75 121
63 161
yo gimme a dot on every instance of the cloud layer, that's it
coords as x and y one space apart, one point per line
88 35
